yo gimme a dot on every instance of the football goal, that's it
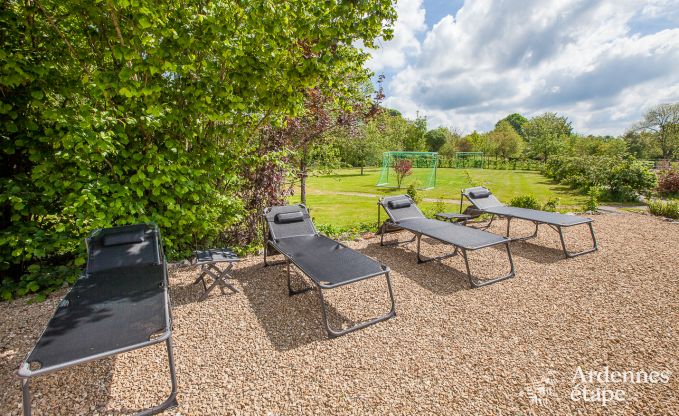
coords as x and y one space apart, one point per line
400 169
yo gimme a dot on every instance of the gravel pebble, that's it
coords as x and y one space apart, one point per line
450 350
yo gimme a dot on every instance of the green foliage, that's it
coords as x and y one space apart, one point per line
525 201
551 204
668 209
531 202
642 145
663 122
622 179
508 143
592 201
517 121
121 112
414 140
345 233
436 138
412 192
546 135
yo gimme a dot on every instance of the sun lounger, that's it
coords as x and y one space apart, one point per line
405 215
119 304
289 231
483 201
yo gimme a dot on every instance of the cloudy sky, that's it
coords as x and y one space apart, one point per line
467 64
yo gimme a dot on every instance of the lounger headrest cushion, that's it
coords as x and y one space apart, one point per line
480 193
399 203
288 217
128 237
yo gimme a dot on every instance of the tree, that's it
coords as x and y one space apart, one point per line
663 120
436 138
546 134
403 168
119 112
642 144
309 133
508 143
517 121
414 141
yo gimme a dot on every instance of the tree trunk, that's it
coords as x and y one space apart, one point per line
302 177
361 170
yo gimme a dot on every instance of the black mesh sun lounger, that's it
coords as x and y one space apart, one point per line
483 201
405 215
119 304
289 231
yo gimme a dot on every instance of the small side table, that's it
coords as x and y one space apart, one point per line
453 217
208 260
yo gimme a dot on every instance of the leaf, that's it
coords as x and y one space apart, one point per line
144 22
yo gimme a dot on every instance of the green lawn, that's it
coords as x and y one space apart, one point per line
330 207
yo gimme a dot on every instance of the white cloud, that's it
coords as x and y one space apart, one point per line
395 53
579 58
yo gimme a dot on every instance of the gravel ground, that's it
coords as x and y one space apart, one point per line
450 350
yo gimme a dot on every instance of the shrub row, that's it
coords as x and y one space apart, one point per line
488 163
620 179
669 209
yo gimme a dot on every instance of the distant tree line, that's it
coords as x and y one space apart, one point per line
515 137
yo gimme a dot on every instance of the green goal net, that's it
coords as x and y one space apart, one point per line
400 169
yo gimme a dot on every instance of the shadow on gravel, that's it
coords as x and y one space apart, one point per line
536 252
190 293
289 321
435 276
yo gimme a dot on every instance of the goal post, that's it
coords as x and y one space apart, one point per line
404 168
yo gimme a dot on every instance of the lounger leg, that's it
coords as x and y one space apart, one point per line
568 254
393 243
487 226
26 399
474 282
217 279
421 260
336 333
171 401
275 263
291 291
535 233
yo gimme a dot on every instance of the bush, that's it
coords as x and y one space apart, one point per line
620 179
668 181
97 131
592 202
412 193
668 209
525 201
551 205
346 232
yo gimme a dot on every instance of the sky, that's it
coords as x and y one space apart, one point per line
467 64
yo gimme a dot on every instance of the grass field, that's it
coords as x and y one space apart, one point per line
345 197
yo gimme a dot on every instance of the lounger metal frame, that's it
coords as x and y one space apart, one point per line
288 260
389 226
556 227
26 373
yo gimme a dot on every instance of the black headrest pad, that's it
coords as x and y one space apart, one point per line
288 217
481 193
399 203
128 237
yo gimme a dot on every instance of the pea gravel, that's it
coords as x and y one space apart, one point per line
450 350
